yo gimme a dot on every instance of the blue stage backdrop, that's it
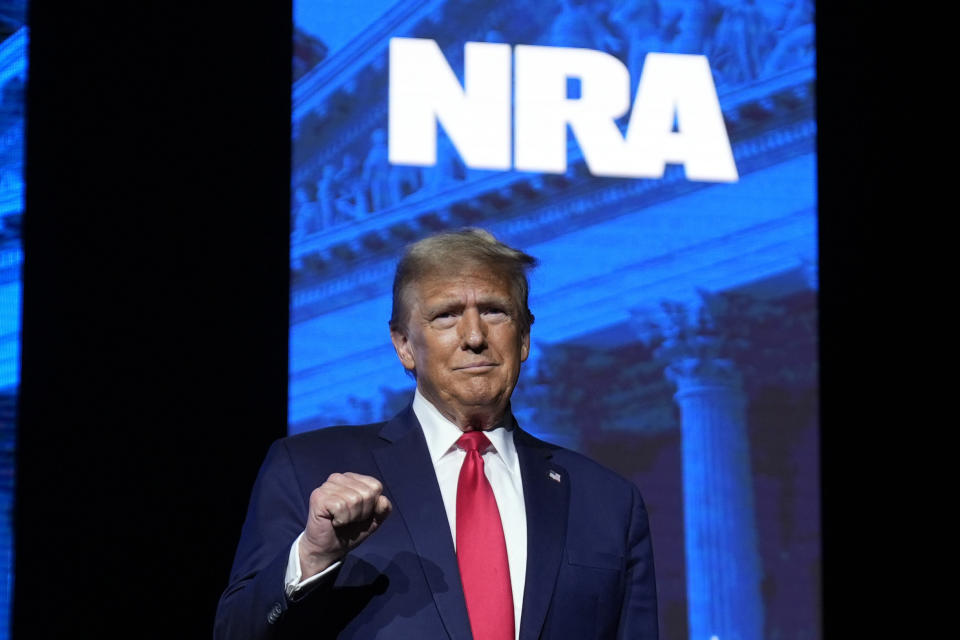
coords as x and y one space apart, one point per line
13 72
658 157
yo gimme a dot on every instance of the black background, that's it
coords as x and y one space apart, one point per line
155 308
156 304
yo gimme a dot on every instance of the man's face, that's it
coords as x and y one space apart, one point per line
463 338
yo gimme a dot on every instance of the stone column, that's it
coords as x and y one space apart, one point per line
723 565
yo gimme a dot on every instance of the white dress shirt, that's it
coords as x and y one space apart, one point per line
502 468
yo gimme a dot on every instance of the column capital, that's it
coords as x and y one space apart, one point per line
712 327
699 353
694 375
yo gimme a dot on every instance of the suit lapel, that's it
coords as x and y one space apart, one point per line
546 494
410 480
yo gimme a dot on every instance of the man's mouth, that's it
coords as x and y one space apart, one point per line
476 366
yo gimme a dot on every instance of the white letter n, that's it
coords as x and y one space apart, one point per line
424 91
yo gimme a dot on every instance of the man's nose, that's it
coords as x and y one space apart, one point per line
473 332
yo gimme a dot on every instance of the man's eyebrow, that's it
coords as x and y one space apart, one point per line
445 303
494 298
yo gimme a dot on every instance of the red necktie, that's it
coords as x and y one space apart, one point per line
481 549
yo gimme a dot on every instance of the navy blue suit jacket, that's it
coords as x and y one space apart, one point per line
589 560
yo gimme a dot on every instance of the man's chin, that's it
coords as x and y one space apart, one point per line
485 404
480 396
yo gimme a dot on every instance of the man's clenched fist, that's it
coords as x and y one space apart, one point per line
344 511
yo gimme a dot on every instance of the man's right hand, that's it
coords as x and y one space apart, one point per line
344 511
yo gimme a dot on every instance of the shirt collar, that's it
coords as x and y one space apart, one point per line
442 435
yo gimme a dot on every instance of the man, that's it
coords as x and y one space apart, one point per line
448 521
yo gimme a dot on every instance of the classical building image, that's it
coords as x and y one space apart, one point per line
676 320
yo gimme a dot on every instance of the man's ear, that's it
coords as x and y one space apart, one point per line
402 346
525 346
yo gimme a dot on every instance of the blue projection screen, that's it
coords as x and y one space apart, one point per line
659 158
13 78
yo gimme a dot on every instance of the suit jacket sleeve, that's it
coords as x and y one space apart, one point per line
638 616
255 599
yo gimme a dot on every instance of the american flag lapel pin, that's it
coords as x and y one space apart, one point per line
553 475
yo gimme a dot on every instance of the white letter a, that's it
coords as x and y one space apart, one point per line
681 85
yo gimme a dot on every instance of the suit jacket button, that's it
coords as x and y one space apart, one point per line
274 614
